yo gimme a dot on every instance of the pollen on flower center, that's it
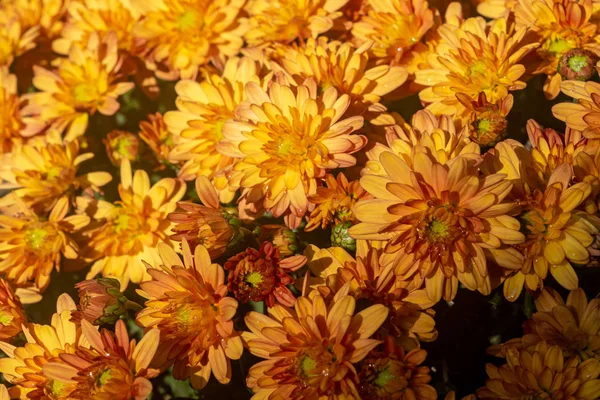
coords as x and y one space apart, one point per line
478 67
437 230
254 279
188 20
122 223
84 92
383 377
5 318
577 63
307 365
57 390
104 377
36 238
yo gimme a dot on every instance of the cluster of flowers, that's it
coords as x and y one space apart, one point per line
317 201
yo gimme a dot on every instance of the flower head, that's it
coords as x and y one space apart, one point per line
129 230
15 38
259 275
155 134
209 224
12 315
100 301
486 121
86 82
42 173
35 245
183 35
187 302
23 366
394 374
472 59
112 368
304 360
584 114
285 139
120 145
395 27
285 21
541 372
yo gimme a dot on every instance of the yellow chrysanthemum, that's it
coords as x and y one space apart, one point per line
86 82
203 110
45 343
33 246
409 318
45 15
472 59
15 38
155 133
561 25
543 372
41 173
187 301
584 114
12 315
284 141
395 27
129 230
17 119
284 21
87 17
441 221
306 359
342 66
182 35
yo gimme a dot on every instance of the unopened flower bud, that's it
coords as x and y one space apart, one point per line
489 128
122 145
340 236
283 238
101 301
577 64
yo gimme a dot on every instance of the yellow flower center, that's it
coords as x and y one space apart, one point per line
437 230
58 390
188 20
84 93
53 172
559 46
577 63
484 125
218 130
384 377
123 145
104 377
307 365
5 318
254 279
122 223
36 238
478 67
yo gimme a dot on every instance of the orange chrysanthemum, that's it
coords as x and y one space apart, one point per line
209 224
112 368
285 139
334 202
561 25
120 145
441 221
86 82
395 26
187 301
17 119
41 174
128 231
197 126
495 8
486 121
584 114
45 343
305 360
342 66
34 246
12 315
543 372
472 59
394 374
183 35
284 21
156 135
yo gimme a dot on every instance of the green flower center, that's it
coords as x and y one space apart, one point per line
253 279
84 93
577 63
122 223
437 230
36 238
188 20
5 318
218 130
308 365
478 67
284 147
58 389
103 378
383 378
484 125
123 145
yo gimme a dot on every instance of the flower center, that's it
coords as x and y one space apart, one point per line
315 363
5 318
478 67
437 230
484 125
307 366
284 147
36 238
84 93
254 279
122 223
123 146
104 377
188 20
218 129
58 390
577 63
53 172
384 377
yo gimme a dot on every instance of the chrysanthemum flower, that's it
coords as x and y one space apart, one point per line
112 368
542 372
24 365
42 173
17 119
561 25
395 27
182 35
285 140
495 8
583 115
262 274
334 202
100 301
45 15
284 21
156 135
12 315
129 230
409 319
556 236
15 39
392 373
472 59
203 109
342 66
209 224
86 82
120 145
188 303
486 121
440 221
306 359
33 246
